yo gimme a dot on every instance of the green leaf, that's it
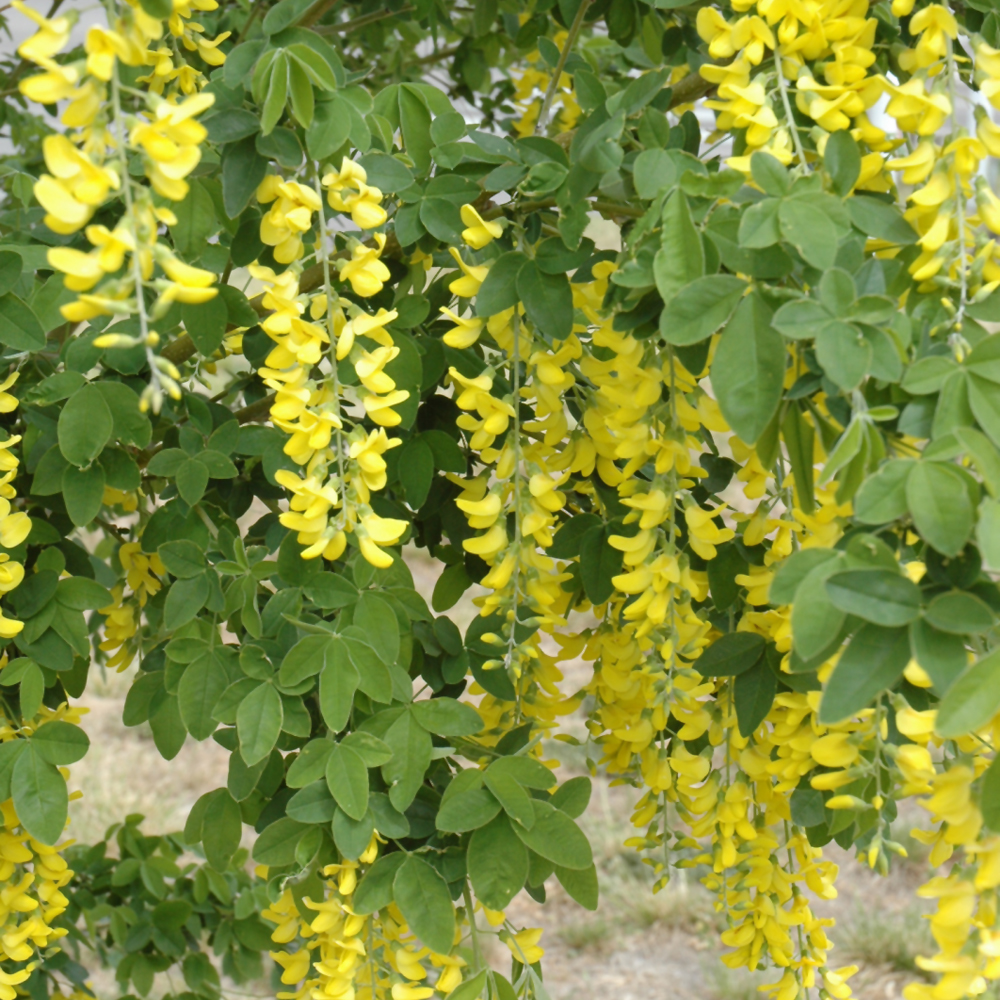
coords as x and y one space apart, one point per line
205 323
984 455
815 619
516 802
567 540
800 319
411 747
157 8
497 863
989 802
192 481
844 353
276 845
375 617
243 168
880 219
653 170
573 797
195 222
447 717
347 778
882 496
556 838
472 989
799 437
467 810
40 796
842 160
960 613
876 595
19 326
258 723
416 471
83 493
182 558
810 230
423 898
928 374
184 600
81 594
940 505
940 654
60 742
198 693
731 654
700 309
9 753
771 177
794 570
375 890
11 266
972 700
681 257
759 225
753 696
580 885
328 590
873 661
985 406
988 533
499 288
168 729
748 369
415 123
369 748
301 92
305 659
338 681
277 94
221 830
599 562
548 301
85 426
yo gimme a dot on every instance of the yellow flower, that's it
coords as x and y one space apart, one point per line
479 232
366 273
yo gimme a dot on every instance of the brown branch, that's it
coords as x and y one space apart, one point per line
256 410
693 86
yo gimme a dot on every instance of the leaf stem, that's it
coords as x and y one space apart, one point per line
550 94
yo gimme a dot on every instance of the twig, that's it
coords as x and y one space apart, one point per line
314 13
254 11
356 23
256 410
433 57
550 94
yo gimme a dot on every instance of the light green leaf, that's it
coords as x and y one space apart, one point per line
748 369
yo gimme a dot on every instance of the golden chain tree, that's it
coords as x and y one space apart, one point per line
285 287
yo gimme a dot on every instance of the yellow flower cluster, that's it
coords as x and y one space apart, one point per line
32 876
312 334
342 954
122 616
89 165
15 525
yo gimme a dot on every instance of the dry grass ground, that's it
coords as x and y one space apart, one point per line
635 947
